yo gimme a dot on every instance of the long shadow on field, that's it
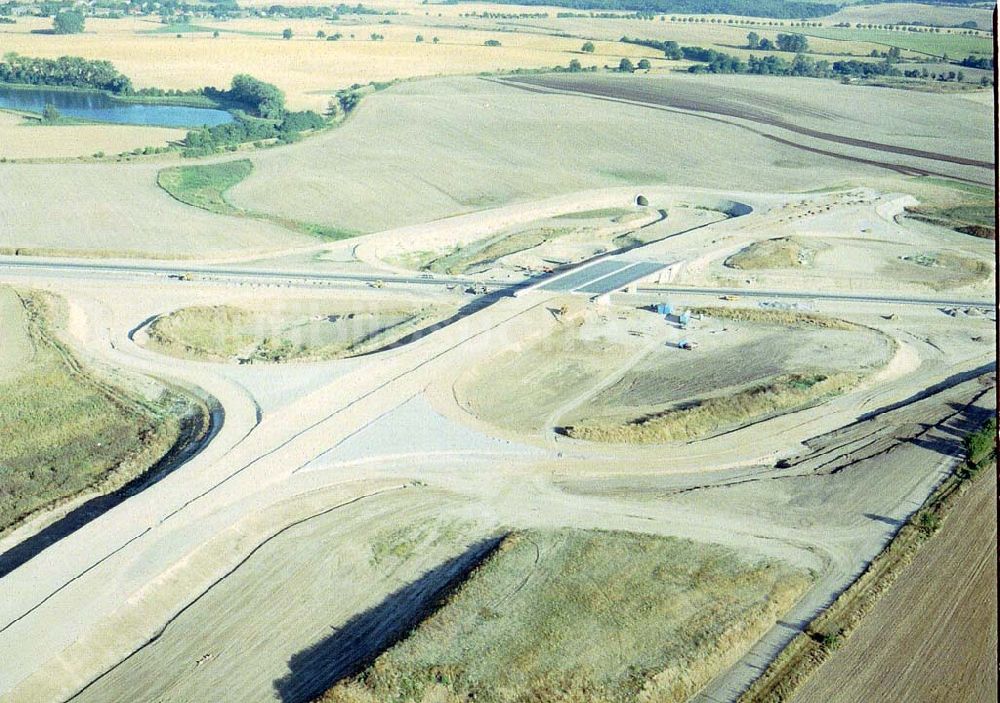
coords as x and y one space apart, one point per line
197 430
365 636
951 434
952 380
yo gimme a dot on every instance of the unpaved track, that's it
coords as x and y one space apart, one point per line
933 636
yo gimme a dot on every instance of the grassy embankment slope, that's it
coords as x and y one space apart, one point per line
901 558
574 615
205 186
63 430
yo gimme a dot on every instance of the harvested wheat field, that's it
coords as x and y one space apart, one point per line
833 119
307 68
933 636
81 208
574 615
21 139
908 12
356 179
286 329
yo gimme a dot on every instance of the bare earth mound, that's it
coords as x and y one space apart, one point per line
940 270
783 252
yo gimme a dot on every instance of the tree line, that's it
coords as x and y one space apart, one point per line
209 140
65 72
786 9
713 61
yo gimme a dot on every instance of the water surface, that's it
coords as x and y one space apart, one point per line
101 107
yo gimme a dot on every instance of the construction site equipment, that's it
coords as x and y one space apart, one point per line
687 344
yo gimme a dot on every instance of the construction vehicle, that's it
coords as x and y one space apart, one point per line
376 284
729 296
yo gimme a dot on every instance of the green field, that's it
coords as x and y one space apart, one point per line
205 186
574 615
954 45
64 430
976 219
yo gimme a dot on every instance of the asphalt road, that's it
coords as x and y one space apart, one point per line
246 276
243 275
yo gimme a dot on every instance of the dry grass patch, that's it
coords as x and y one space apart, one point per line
704 417
775 317
574 615
292 331
63 430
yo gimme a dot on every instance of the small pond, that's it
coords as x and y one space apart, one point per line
101 107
